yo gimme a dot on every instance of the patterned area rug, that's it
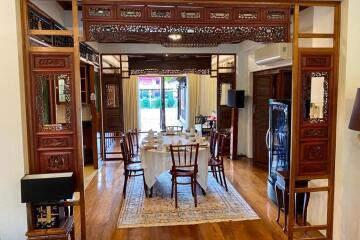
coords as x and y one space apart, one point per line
217 206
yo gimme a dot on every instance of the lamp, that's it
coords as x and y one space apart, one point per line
355 116
236 98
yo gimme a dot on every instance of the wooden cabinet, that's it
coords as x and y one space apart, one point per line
269 84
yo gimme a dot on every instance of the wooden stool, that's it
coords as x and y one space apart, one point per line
282 196
61 233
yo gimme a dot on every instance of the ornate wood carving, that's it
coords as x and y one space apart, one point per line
39 20
54 141
315 134
53 130
200 25
56 161
192 36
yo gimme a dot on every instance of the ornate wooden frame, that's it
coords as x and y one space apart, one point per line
199 24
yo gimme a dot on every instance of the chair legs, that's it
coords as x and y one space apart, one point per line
127 175
125 183
219 169
174 184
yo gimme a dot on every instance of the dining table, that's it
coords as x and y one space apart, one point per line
157 160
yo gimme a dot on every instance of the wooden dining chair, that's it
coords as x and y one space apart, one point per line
175 128
133 145
184 165
216 161
131 169
133 139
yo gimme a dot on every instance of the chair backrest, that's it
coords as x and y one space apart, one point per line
133 141
174 128
184 156
125 150
219 146
212 142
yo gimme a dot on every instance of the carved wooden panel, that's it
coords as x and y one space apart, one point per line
53 62
219 14
186 14
53 122
247 14
57 141
276 14
100 11
313 151
56 161
318 61
161 13
314 132
130 13
316 75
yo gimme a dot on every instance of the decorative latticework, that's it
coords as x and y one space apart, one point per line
192 36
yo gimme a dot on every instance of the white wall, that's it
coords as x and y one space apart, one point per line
347 190
51 8
13 217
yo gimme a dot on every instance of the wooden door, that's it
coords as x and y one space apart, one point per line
263 91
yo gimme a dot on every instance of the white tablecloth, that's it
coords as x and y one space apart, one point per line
155 162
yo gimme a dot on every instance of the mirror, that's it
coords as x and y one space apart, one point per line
224 88
53 101
315 88
111 95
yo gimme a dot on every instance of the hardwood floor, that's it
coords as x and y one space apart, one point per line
104 194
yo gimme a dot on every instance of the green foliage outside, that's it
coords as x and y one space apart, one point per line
155 102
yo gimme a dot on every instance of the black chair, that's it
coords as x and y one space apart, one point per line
184 165
131 169
133 146
216 161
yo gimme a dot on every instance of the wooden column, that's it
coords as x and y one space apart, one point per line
78 108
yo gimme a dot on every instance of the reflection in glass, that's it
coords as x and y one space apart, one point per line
316 96
53 101
112 96
225 87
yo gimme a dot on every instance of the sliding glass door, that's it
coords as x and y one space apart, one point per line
158 98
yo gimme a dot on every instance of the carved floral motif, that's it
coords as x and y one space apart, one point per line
99 12
197 36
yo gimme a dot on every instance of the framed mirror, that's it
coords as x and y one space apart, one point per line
53 101
315 97
224 89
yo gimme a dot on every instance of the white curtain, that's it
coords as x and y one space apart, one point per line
131 102
208 95
193 87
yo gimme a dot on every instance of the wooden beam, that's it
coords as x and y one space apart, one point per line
310 228
78 110
315 189
316 35
51 32
51 49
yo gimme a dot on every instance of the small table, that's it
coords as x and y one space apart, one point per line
282 196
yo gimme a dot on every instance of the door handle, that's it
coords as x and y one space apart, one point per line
267 140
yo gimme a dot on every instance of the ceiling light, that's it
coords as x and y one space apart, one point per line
175 36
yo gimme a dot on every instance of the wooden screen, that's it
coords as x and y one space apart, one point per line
315 80
53 103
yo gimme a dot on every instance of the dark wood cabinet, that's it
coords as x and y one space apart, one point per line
268 84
